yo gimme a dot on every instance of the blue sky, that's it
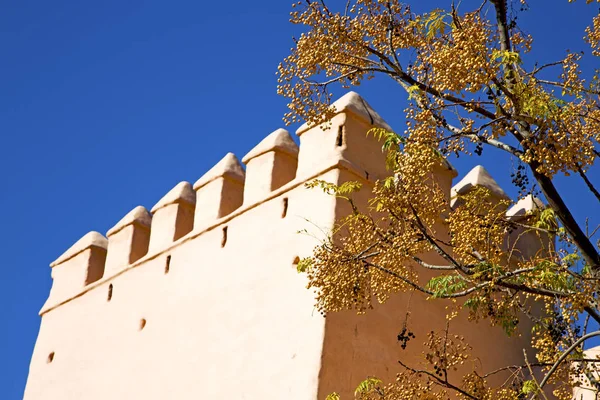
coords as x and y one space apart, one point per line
107 105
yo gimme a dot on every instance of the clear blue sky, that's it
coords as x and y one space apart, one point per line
107 105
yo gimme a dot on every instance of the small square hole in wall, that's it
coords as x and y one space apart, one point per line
224 238
285 207
339 140
50 358
168 265
110 292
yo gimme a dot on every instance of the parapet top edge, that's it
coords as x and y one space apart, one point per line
524 207
116 229
339 164
89 240
281 150
229 166
138 216
477 176
277 141
227 176
352 103
182 193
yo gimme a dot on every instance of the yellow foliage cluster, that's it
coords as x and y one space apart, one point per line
593 35
451 56
467 86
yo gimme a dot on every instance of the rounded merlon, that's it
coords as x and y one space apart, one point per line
279 140
229 167
138 215
90 239
524 207
478 176
181 193
354 103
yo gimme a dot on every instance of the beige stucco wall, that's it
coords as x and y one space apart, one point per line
589 391
223 321
233 321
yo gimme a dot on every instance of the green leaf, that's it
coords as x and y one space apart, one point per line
391 160
391 144
413 91
571 259
349 187
365 386
304 264
547 219
446 285
333 396
389 182
507 57
529 387
434 23
586 270
473 303
341 191
390 139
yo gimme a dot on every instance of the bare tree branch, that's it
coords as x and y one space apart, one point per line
588 251
440 381
588 183
564 355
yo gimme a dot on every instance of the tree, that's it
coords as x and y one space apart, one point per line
470 85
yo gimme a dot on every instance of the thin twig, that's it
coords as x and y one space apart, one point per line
564 355
532 375
588 183
439 381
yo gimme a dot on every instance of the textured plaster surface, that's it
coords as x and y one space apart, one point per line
215 308
91 239
279 141
587 391
182 193
229 167
138 215
223 322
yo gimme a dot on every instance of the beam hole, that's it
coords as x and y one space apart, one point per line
110 292
224 238
168 264
339 140
285 207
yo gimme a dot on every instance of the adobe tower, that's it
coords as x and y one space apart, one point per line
199 298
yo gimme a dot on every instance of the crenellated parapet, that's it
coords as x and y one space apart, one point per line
478 177
343 139
200 295
128 240
220 191
273 167
82 264
173 216
525 242
525 207
270 165
522 242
